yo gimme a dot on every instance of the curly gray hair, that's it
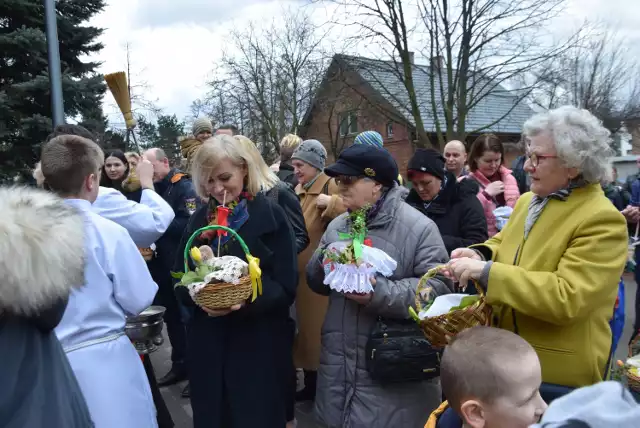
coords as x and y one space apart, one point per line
580 139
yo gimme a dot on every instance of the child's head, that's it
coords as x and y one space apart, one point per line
491 378
71 166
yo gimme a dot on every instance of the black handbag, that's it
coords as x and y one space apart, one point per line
397 351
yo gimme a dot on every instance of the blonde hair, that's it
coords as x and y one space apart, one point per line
133 155
290 140
270 177
242 153
288 145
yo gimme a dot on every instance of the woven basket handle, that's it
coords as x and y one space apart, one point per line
212 227
431 273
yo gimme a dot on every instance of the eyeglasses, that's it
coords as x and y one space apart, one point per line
535 158
347 180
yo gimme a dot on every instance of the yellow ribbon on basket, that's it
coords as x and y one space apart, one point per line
256 276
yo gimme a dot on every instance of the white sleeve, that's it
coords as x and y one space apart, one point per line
133 287
145 222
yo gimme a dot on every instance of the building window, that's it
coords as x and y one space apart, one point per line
348 123
390 130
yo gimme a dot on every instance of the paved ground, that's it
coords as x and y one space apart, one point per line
181 410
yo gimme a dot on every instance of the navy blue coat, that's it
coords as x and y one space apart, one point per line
240 364
180 194
456 211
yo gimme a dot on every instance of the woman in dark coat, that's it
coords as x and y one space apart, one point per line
240 358
452 205
38 388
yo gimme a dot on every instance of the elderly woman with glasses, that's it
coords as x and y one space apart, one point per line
346 393
552 273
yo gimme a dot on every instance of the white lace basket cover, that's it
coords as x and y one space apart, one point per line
230 270
351 278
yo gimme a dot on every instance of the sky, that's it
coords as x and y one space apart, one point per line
174 43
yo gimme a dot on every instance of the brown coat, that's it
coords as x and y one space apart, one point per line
311 307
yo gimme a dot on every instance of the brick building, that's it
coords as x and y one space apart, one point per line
633 127
360 94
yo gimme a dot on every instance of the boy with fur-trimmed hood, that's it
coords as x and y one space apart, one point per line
41 258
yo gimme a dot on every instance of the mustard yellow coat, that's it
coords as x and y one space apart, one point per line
558 288
312 307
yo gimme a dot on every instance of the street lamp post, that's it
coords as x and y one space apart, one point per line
55 75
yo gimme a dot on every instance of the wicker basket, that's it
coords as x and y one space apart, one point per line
633 381
222 295
439 330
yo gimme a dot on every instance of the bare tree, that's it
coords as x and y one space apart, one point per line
348 92
480 47
598 75
267 78
341 97
386 23
476 48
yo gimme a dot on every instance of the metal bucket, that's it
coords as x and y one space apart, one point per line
145 330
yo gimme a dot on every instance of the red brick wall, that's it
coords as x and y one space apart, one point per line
348 94
633 127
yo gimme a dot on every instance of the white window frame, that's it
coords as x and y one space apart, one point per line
351 123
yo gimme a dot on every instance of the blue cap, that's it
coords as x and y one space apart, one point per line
371 138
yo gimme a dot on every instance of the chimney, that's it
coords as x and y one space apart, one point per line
436 62
411 57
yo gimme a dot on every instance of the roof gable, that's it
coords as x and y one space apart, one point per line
498 110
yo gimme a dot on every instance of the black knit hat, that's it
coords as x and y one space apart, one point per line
429 161
361 160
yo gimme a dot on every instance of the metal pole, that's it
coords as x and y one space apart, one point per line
55 75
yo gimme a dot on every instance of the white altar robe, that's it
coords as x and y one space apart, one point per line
107 366
145 221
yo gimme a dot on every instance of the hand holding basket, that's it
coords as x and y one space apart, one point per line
225 295
440 329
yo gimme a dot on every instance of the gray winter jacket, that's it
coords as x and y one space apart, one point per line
346 396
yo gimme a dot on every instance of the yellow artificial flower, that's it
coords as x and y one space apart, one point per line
255 273
195 254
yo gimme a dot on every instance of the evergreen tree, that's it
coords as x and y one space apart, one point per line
163 134
25 95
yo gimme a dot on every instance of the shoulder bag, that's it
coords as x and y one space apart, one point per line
397 352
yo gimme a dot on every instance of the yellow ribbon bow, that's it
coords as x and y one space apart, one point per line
255 273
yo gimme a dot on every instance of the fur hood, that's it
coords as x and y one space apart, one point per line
41 249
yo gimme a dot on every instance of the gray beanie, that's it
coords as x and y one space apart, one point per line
201 125
311 152
603 405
